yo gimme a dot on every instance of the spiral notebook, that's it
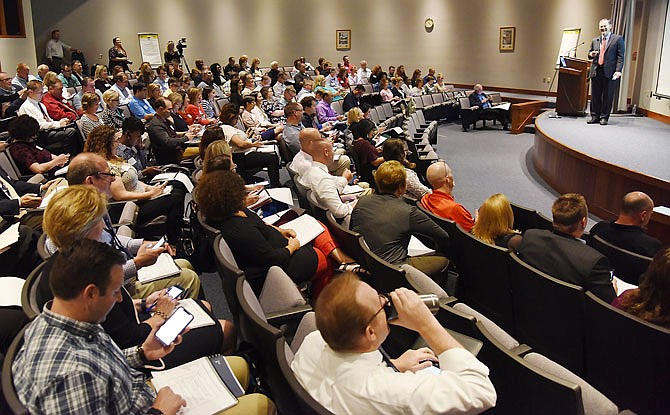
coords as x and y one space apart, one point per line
208 385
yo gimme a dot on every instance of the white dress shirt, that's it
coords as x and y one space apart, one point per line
324 189
125 95
32 109
364 75
55 49
362 383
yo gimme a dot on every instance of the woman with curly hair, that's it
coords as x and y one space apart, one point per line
495 221
651 300
127 186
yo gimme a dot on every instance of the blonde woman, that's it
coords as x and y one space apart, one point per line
112 115
102 80
494 221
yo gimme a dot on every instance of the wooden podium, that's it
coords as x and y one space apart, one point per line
573 88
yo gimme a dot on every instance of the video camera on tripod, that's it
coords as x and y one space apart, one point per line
181 45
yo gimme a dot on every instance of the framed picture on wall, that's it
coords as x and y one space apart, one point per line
343 39
507 37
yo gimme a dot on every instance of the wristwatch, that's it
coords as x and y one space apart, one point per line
140 352
154 411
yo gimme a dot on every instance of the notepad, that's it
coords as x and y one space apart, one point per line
622 286
166 191
352 189
9 237
163 268
417 248
207 385
178 176
306 228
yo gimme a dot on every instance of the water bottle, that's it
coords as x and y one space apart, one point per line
432 301
634 111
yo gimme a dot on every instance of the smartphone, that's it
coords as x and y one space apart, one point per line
158 245
175 291
173 326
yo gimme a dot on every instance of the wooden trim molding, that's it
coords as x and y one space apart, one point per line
506 89
654 115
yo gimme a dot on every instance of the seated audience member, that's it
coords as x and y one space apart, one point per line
128 187
353 76
309 118
57 106
207 102
102 80
342 367
121 86
651 300
10 97
627 231
178 122
388 235
429 85
23 76
173 86
153 92
217 73
66 77
280 85
376 75
266 81
162 79
364 73
194 111
89 119
288 96
76 213
207 80
480 101
236 87
431 73
272 107
259 114
367 157
88 85
386 93
246 161
495 221
146 74
312 168
67 346
343 78
300 76
306 91
353 98
293 114
394 149
439 83
415 76
417 89
563 255
441 202
112 115
42 70
256 245
129 147
250 121
53 137
92 170
331 79
320 86
166 145
324 111
28 156
138 105
218 156
248 84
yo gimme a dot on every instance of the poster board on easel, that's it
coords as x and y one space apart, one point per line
150 49
569 44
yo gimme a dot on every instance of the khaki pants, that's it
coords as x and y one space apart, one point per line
431 265
340 165
187 279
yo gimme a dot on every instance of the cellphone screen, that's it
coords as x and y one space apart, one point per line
175 291
173 326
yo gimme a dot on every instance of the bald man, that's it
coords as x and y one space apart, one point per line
441 202
628 230
483 104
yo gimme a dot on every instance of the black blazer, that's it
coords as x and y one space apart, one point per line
350 101
9 207
568 259
614 53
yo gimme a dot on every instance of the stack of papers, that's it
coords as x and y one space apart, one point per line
417 248
200 317
306 228
178 176
9 237
163 268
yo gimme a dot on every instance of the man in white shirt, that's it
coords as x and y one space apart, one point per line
121 86
23 76
306 90
364 73
52 135
88 85
55 50
323 188
341 365
280 85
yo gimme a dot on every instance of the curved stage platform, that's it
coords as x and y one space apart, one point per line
605 162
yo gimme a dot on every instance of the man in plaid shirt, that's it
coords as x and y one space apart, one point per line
68 364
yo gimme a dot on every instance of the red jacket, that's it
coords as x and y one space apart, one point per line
59 109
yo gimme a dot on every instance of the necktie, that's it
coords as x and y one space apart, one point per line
601 56
46 116
387 359
115 240
8 189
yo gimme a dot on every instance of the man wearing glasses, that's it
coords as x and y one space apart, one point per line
341 365
11 98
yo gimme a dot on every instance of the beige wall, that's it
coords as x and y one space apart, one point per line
463 45
650 56
13 51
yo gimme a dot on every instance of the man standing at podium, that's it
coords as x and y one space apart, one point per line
607 51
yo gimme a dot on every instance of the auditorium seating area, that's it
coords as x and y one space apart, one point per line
551 347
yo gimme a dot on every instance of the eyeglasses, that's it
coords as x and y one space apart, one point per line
385 301
100 173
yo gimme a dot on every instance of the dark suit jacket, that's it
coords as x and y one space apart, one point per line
614 53
350 101
165 143
568 259
9 207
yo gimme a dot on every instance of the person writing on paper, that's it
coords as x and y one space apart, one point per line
28 156
93 170
151 199
342 367
80 368
257 246
607 54
77 212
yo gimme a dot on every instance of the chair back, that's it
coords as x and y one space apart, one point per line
337 107
386 277
31 303
305 404
627 265
8 389
627 358
388 110
427 100
451 227
348 240
210 231
484 280
495 97
374 116
548 314
524 218
229 273
8 165
465 103
126 111
301 193
42 248
437 98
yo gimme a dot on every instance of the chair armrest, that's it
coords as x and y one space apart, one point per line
279 318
